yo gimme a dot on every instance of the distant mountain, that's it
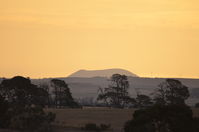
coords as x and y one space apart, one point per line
101 73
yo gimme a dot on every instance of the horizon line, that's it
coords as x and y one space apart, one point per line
102 77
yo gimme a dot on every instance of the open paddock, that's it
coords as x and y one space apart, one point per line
76 118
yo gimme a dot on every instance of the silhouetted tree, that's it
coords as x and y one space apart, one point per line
63 96
171 92
41 97
17 90
116 94
48 97
23 103
168 114
161 118
21 92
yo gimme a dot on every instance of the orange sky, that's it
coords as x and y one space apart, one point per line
53 38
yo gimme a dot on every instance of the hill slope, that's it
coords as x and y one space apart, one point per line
101 73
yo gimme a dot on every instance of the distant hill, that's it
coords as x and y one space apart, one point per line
101 73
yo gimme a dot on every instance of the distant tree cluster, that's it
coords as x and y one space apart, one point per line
58 95
116 94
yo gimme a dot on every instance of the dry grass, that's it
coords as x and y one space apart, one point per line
71 120
79 117
76 118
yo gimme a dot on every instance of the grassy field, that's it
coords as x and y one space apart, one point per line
71 120
77 118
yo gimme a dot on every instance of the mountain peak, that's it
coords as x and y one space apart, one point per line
102 73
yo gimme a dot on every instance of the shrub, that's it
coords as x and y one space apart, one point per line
94 127
105 127
171 118
91 127
33 120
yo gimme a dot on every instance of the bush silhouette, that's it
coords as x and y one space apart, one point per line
94 127
168 114
22 105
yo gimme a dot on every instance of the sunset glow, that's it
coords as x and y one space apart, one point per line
54 38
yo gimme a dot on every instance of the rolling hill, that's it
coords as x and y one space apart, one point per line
101 73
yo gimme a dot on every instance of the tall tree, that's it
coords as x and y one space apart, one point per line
23 104
117 92
63 96
45 87
21 92
171 91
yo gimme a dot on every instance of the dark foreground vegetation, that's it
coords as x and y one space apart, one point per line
23 106
165 112
169 113
94 127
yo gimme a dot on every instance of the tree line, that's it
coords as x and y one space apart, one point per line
165 112
22 105
116 94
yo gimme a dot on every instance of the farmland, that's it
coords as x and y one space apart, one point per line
74 119
71 120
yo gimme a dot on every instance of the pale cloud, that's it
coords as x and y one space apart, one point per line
102 14
171 19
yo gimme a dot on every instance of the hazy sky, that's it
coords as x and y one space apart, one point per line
53 38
